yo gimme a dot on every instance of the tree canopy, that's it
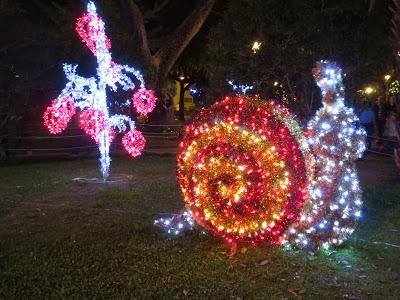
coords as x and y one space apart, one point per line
161 36
293 35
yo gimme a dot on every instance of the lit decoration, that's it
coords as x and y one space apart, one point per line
58 114
89 95
369 90
336 140
134 142
177 223
93 122
256 46
240 89
242 169
194 91
144 101
90 28
394 88
249 174
282 94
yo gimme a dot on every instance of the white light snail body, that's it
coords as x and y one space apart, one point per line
336 140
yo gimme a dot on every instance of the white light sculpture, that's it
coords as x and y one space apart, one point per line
89 95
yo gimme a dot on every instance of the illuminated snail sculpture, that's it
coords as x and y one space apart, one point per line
242 170
249 174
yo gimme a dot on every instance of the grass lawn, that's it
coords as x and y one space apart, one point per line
65 239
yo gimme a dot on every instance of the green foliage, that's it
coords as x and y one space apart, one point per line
39 35
394 88
30 54
62 239
295 34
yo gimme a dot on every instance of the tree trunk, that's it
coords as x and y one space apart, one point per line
395 9
161 114
160 64
182 101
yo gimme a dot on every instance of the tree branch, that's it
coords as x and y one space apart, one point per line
371 6
139 29
168 55
188 84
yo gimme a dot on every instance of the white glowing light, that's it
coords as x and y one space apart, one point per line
369 90
336 141
177 223
256 46
240 89
325 125
89 94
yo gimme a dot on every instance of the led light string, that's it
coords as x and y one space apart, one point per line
242 171
249 174
336 140
89 95
240 89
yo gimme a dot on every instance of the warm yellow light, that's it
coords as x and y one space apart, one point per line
256 46
369 90
276 83
182 78
387 77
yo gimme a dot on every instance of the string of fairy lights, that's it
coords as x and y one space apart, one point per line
240 89
337 140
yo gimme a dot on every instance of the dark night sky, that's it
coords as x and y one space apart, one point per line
170 16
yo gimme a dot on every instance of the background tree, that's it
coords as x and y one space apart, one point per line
294 34
395 10
38 35
184 82
28 63
160 63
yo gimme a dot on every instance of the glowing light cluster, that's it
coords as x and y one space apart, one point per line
144 101
134 142
194 91
336 140
91 28
394 88
240 89
256 46
58 114
248 173
93 122
242 168
89 95
177 223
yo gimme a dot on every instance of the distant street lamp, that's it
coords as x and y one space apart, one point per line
256 46
369 90
387 77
